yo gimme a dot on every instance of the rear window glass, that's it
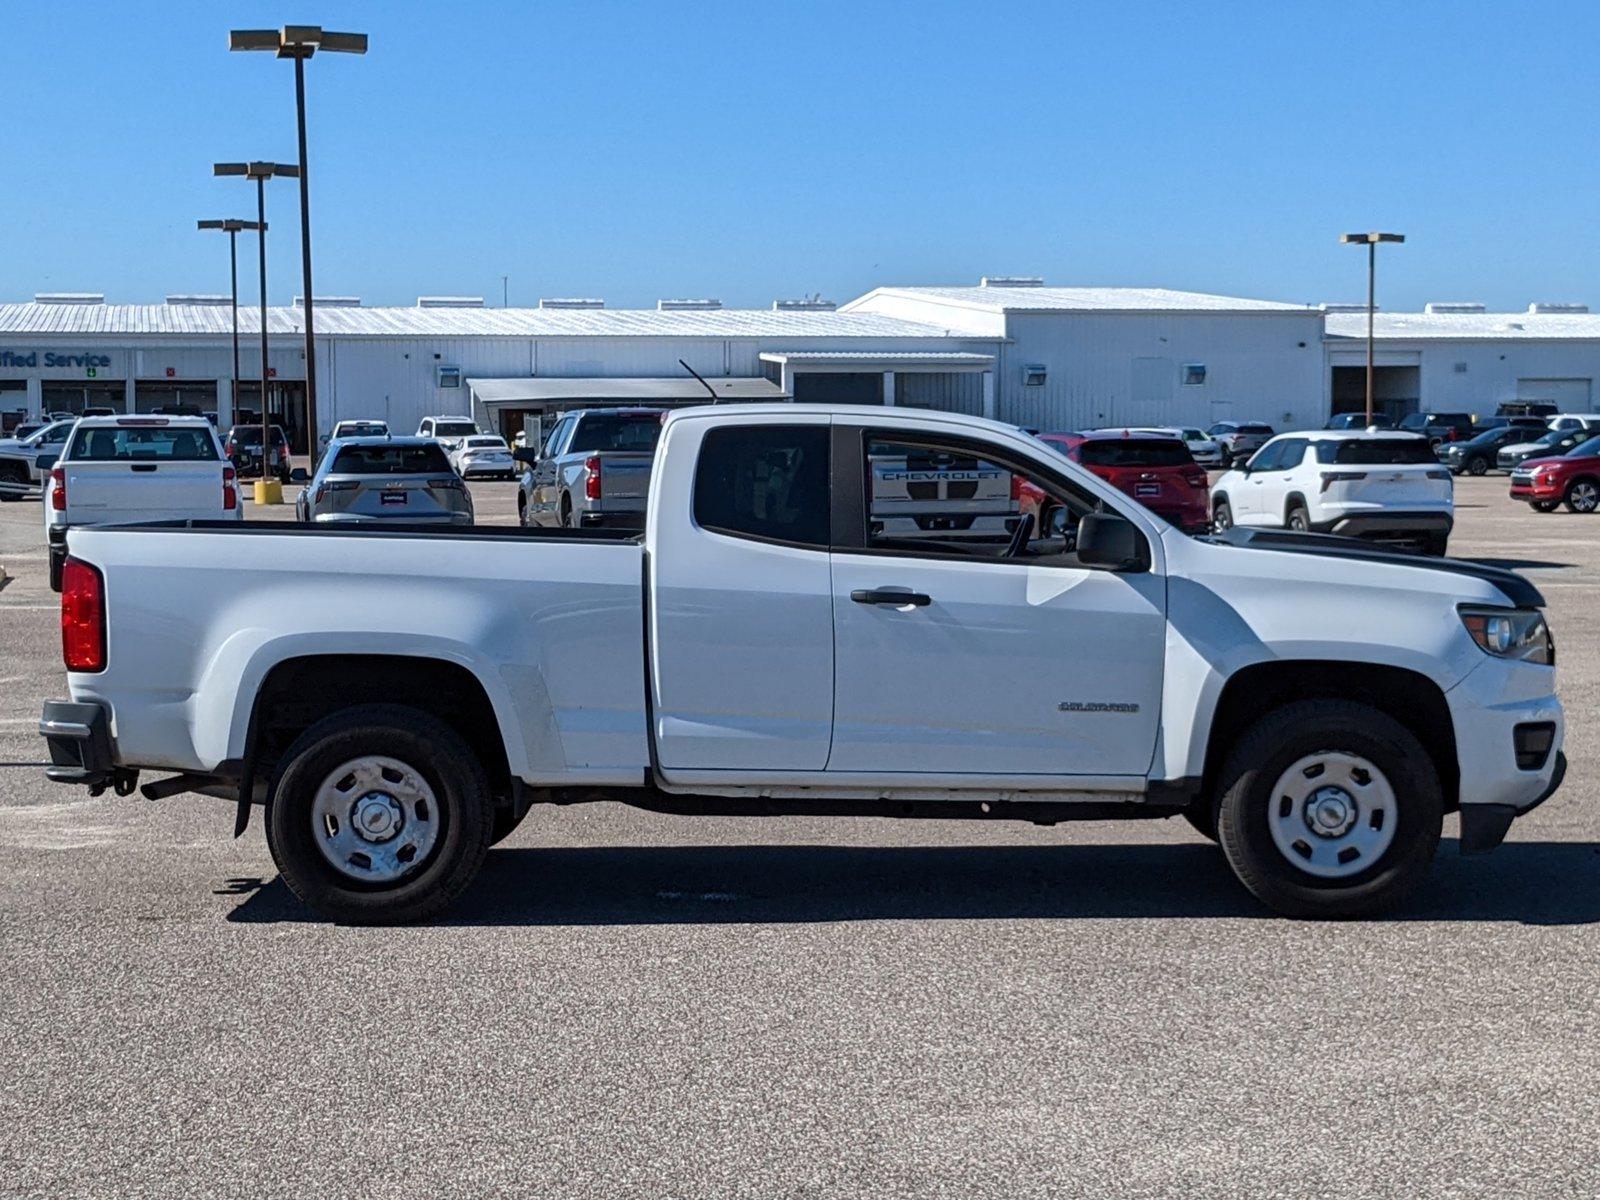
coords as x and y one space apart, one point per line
361 429
140 444
764 481
250 435
1135 452
454 428
1395 451
1255 427
391 459
601 433
479 442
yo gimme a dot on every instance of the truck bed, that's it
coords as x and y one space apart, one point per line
200 612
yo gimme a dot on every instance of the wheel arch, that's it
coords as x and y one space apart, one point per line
1411 698
1292 501
297 692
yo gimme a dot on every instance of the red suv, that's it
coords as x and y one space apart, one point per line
1157 471
1572 478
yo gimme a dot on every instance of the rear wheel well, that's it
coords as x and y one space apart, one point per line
299 692
1413 700
1295 500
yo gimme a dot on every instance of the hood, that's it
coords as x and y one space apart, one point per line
1546 460
1512 586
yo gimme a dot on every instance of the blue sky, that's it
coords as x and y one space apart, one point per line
754 150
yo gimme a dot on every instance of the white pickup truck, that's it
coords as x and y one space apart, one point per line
121 469
398 698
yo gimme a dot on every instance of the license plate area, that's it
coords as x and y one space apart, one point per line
1147 489
397 497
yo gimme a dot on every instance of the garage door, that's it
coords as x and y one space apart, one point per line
1568 395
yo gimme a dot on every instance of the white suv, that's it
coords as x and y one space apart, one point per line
449 432
1380 485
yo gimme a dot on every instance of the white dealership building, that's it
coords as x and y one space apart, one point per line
1040 356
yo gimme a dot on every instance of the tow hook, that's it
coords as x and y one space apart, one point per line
123 781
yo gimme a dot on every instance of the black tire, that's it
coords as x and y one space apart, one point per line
1269 749
1582 495
565 517
522 508
505 824
16 475
1476 465
1221 515
1544 506
1297 518
58 563
427 746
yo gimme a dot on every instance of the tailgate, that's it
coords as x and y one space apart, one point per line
142 490
625 476
1399 486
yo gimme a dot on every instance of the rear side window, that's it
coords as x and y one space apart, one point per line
765 481
1377 452
637 432
427 459
143 444
1135 452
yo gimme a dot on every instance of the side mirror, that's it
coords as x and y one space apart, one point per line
1110 541
526 454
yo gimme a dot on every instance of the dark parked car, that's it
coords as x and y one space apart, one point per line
1476 455
1439 426
243 449
1557 441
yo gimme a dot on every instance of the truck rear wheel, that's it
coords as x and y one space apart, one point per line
379 815
1329 808
16 475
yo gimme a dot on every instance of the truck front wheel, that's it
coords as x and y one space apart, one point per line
1329 808
379 815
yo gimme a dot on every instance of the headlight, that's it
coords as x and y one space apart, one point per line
1515 633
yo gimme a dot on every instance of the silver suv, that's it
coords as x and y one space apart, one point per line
385 479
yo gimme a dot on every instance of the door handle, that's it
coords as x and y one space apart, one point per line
899 597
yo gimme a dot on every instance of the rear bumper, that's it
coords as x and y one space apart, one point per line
612 520
79 738
1388 524
399 516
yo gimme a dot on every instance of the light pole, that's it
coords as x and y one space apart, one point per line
232 227
261 172
300 42
1370 241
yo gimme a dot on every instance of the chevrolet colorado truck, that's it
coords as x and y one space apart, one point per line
396 699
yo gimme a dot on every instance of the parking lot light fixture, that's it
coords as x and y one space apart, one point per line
260 172
300 42
232 228
1370 241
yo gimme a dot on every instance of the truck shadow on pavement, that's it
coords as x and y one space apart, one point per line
1534 883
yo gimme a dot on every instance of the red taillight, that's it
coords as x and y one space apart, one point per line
591 485
83 617
230 490
58 493
1199 479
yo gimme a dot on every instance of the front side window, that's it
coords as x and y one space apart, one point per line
142 444
768 482
950 499
1266 458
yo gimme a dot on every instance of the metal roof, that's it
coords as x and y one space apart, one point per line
139 320
919 356
1082 299
1483 326
548 390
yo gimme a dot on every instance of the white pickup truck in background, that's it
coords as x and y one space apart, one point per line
767 646
125 469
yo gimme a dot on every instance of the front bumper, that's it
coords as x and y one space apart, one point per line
1492 709
1536 488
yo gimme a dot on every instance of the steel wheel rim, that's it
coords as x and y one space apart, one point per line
1585 496
1477 467
375 820
1333 814
1298 522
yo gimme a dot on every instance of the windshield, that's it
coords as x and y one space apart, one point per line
360 429
390 459
250 435
1370 452
123 444
1551 438
487 442
454 429
1135 452
1589 449
633 431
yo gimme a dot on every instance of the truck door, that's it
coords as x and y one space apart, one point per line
741 614
957 652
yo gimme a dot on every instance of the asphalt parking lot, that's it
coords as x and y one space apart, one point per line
628 1003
